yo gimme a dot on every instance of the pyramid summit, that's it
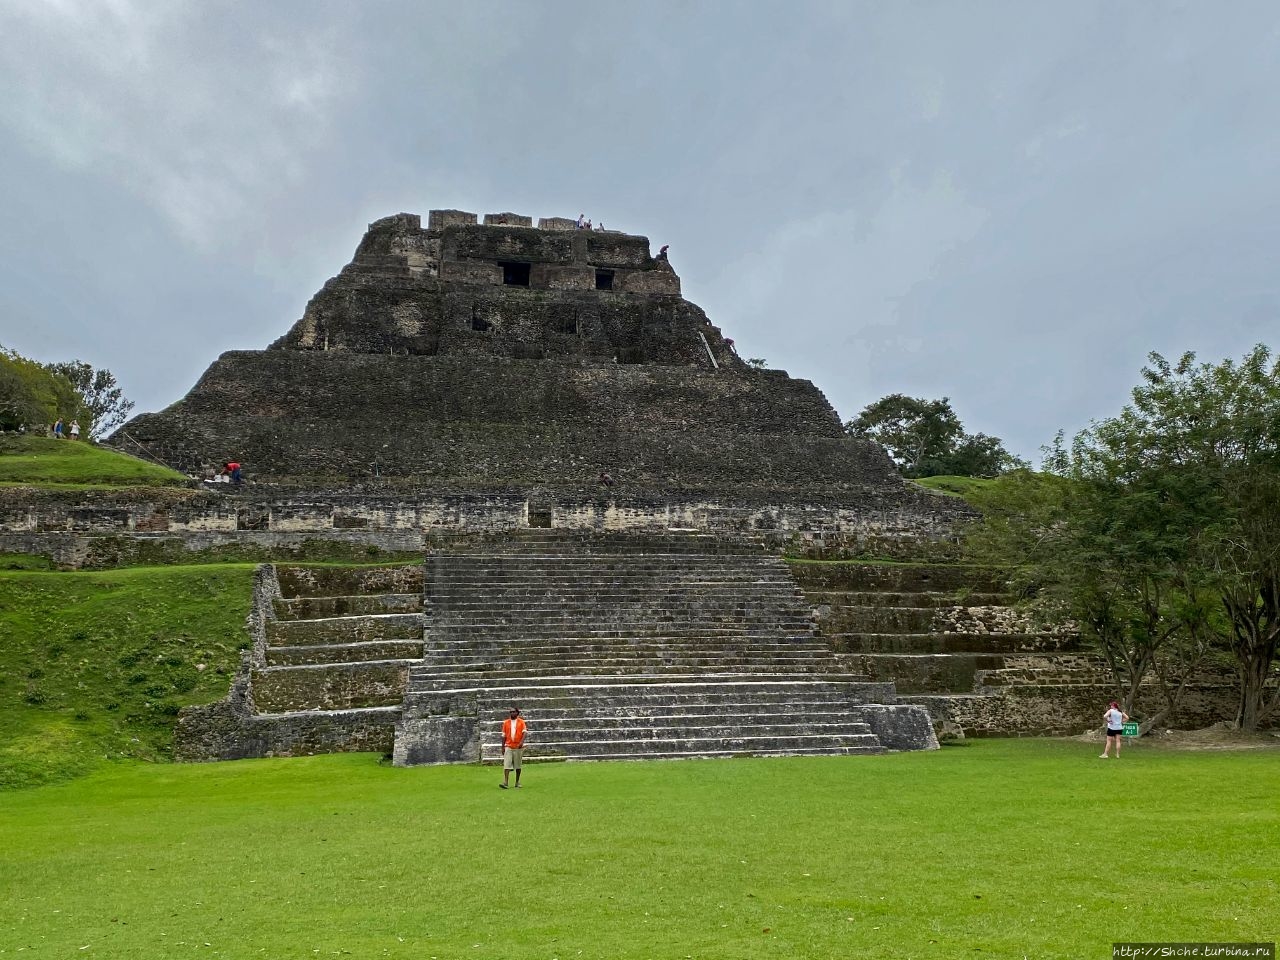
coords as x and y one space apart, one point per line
503 355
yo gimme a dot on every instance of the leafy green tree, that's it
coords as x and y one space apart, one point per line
31 395
925 438
103 403
1205 439
1082 551
1162 536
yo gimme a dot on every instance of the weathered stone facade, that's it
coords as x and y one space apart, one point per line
950 639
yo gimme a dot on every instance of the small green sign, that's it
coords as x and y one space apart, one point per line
1130 729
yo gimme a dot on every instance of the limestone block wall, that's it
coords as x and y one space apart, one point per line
159 526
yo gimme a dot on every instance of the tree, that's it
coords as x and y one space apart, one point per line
103 403
1111 563
1205 439
1164 541
31 395
925 438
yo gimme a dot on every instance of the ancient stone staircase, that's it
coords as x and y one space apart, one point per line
625 646
951 640
340 639
328 668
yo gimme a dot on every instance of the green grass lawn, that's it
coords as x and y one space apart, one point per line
995 849
43 461
96 665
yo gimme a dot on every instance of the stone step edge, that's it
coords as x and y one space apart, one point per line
393 711
280 668
354 616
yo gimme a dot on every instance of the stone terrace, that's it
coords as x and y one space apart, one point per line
950 639
633 647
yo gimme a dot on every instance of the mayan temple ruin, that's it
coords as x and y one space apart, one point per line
598 495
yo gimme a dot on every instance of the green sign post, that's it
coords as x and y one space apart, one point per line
1131 729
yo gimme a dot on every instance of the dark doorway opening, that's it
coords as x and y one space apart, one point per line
540 518
515 274
604 279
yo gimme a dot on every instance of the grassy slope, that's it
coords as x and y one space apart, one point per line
95 665
955 486
44 461
997 849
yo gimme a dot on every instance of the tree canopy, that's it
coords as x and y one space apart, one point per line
34 395
1159 529
925 438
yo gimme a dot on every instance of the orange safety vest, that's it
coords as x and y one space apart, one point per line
513 733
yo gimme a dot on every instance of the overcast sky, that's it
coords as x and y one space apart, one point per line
1008 204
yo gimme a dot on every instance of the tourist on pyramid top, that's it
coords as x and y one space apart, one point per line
662 253
582 221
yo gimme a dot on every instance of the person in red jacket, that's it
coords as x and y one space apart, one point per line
513 731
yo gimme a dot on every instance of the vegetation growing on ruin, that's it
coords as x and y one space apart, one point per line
967 488
996 849
43 461
95 666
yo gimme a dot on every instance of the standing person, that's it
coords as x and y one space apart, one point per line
57 429
75 429
1115 718
513 731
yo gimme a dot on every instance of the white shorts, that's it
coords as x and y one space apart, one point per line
511 758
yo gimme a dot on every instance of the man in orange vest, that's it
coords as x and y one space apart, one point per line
513 730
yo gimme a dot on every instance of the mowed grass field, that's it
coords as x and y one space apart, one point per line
994 849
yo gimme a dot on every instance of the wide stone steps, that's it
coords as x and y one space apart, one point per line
878 619
439 651
310 608
845 598
895 577
344 652
694 746
733 694
701 716
588 667
951 642
586 632
702 613
591 729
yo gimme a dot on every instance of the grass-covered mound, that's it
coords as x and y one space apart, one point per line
96 665
963 487
1003 849
43 461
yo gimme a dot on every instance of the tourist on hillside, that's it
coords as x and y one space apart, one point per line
75 429
57 429
1115 718
513 731
232 469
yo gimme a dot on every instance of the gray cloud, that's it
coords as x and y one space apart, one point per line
1005 203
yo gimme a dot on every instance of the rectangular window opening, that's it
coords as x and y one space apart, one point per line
515 274
604 279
